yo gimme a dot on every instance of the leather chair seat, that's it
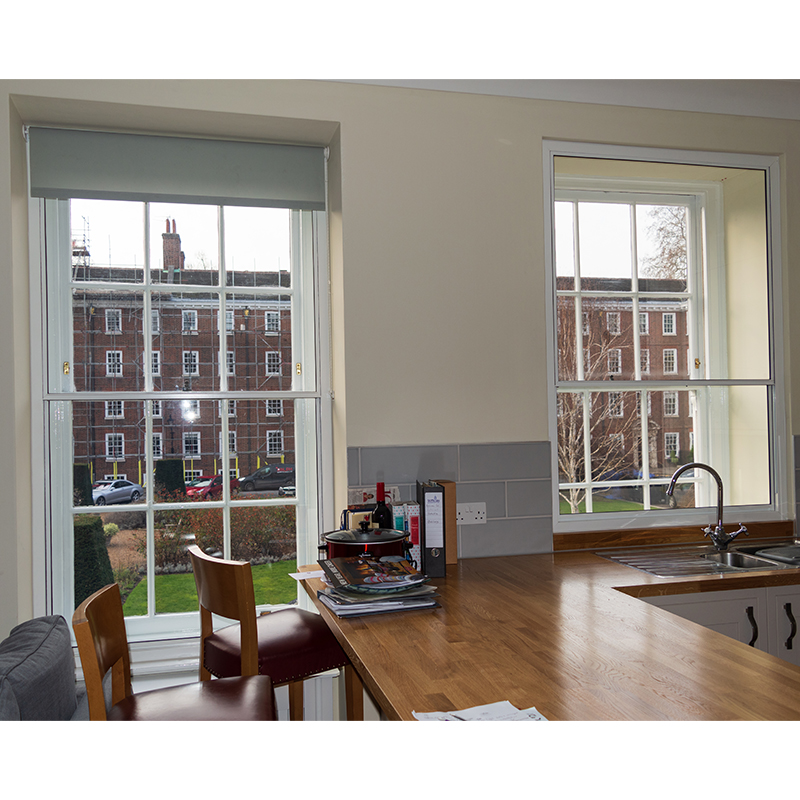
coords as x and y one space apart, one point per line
249 699
292 644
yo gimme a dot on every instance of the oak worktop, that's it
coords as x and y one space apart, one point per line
568 634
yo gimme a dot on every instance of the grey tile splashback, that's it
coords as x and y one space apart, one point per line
513 479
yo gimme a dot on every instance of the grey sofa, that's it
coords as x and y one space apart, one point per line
37 673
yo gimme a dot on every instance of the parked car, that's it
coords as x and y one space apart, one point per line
119 491
271 476
286 491
209 487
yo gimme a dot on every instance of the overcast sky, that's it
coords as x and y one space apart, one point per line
255 238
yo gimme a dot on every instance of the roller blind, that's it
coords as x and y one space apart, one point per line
119 166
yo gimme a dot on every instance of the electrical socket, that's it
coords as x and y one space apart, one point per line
471 513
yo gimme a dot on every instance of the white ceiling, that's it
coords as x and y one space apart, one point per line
759 98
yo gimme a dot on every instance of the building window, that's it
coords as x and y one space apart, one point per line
273 363
158 445
191 444
114 363
191 362
113 320
274 408
631 246
115 446
155 362
155 321
115 409
670 404
230 359
274 443
272 321
155 408
189 321
671 445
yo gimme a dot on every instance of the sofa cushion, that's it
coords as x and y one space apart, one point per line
37 671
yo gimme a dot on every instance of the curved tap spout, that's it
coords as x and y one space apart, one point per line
718 536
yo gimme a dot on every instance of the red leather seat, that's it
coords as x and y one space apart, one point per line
288 645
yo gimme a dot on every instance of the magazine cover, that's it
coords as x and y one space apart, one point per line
367 571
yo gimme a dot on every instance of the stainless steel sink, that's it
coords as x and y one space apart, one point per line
739 560
680 561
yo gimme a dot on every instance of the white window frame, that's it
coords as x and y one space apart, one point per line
115 446
644 323
316 510
158 449
115 409
155 362
613 323
190 363
669 354
273 356
274 443
670 400
189 320
779 507
192 451
113 320
669 323
272 322
114 363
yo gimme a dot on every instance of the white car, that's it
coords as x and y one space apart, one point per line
119 491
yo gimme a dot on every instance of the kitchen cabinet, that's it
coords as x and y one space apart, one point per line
765 618
740 613
783 603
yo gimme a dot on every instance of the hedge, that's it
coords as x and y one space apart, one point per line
92 565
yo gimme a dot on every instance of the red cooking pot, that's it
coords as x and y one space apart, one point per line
377 542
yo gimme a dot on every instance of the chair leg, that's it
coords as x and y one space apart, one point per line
296 701
354 693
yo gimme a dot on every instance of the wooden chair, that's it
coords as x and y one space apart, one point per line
289 645
99 628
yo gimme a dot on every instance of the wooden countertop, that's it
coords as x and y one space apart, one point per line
566 633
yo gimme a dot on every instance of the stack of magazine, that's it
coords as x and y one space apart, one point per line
359 585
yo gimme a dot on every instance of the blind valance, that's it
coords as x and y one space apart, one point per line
119 166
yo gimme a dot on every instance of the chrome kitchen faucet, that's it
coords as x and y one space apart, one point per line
717 535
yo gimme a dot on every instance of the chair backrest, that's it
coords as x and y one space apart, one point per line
99 627
225 588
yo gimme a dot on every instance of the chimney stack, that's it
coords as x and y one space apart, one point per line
173 255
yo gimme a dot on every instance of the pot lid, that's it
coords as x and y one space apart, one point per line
371 536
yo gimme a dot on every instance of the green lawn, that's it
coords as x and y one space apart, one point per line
601 505
176 594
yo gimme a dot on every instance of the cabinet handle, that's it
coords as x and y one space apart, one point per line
751 617
793 622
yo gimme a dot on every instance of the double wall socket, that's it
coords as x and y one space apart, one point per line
471 513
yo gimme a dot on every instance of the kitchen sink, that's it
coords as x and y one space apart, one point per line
740 560
680 561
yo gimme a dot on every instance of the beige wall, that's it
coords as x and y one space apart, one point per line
437 247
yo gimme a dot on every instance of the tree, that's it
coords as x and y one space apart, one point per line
668 229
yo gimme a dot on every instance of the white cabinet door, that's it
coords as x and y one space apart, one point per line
784 619
740 613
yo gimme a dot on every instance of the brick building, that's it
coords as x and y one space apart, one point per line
109 330
609 340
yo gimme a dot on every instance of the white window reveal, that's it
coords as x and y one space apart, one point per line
189 320
114 363
191 362
113 320
629 250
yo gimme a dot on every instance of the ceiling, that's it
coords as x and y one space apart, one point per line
758 98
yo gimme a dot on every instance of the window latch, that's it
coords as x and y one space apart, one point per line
66 367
